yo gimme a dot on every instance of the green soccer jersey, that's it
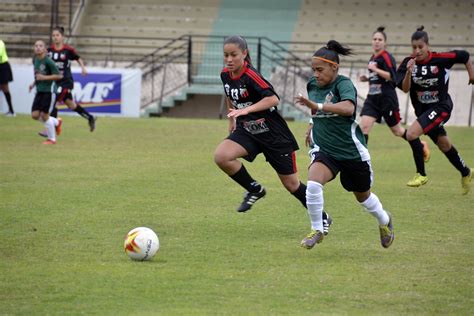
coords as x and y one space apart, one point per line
337 136
45 66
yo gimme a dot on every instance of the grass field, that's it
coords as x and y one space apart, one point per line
65 209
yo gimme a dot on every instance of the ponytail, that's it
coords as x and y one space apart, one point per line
241 43
331 51
381 30
420 34
58 28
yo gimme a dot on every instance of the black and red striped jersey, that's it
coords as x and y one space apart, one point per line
63 58
377 84
267 126
430 78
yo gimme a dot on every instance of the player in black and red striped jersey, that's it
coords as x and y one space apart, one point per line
382 100
63 55
255 127
425 75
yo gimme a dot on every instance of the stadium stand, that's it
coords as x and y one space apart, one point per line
19 18
157 35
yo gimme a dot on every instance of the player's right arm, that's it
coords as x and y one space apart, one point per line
404 74
232 120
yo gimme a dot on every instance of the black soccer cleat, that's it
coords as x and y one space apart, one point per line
250 199
92 120
327 221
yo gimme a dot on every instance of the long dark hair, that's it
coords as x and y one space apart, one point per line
420 34
332 50
241 43
381 30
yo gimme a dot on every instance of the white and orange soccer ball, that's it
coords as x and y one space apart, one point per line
141 244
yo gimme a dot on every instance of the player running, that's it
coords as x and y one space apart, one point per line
45 73
339 145
6 76
63 55
382 100
425 75
255 127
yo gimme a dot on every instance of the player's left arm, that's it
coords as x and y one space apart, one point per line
380 72
83 67
262 105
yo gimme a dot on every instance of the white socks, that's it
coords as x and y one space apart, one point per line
375 208
315 203
50 125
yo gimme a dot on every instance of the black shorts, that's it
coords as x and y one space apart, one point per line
433 119
382 105
283 163
62 95
42 102
356 176
6 74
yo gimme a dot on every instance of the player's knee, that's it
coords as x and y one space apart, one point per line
291 184
411 135
443 145
221 158
35 116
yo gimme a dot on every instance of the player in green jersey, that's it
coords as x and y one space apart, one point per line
46 72
339 145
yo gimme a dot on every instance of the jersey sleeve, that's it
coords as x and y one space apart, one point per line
259 84
347 91
73 55
401 71
388 64
453 57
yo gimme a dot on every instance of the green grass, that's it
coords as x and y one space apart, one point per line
65 209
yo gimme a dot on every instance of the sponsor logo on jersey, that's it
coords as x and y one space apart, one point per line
428 97
375 89
241 105
256 127
430 82
434 69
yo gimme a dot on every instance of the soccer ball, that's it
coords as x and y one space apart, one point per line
141 244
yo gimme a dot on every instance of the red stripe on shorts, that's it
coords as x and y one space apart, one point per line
436 122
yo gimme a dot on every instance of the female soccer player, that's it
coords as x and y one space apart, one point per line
255 127
6 76
382 99
339 145
425 75
62 55
45 73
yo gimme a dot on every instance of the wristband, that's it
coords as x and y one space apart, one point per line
319 106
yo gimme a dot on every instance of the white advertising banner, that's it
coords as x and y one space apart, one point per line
103 91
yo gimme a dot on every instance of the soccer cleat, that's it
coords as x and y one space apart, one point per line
386 233
250 199
327 221
49 142
92 123
426 151
466 182
417 181
10 114
315 237
43 133
59 127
